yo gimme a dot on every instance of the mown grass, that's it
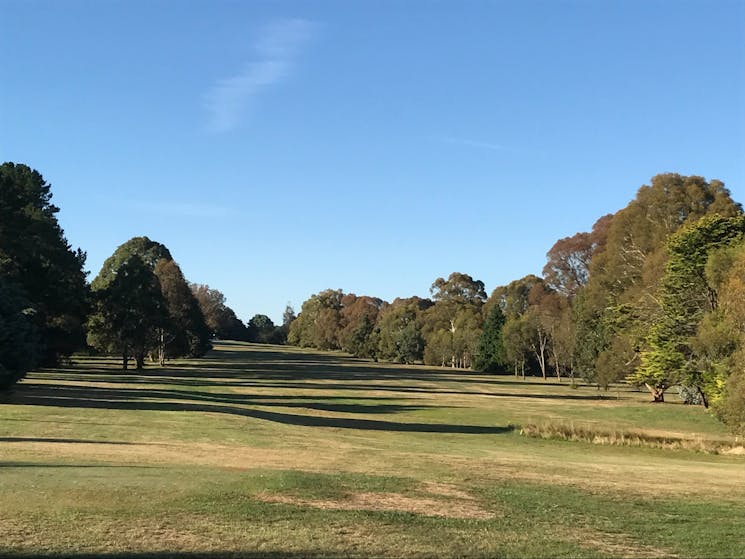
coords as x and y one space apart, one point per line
258 451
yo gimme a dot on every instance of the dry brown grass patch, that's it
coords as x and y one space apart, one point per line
590 434
446 490
460 508
616 545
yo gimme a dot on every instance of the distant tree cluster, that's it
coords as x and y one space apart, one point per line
444 330
653 295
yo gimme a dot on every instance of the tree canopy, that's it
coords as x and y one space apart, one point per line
127 312
39 264
144 305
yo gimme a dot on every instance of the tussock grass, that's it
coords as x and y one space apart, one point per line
616 437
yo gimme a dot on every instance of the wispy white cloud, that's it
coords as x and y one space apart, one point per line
204 211
470 143
276 47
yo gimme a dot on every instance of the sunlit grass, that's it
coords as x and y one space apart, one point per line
263 451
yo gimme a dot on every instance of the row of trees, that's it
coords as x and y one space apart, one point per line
444 330
652 295
138 305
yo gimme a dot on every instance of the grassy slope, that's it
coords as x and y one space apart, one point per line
256 451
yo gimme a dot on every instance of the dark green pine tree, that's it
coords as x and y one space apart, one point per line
491 356
20 343
36 258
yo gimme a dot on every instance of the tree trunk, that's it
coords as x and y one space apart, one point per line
125 359
658 394
556 362
140 360
540 353
162 348
704 401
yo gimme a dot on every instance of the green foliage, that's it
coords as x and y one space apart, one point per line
513 298
221 320
720 341
590 337
491 356
150 252
357 325
452 326
128 311
628 269
20 345
533 314
261 329
318 323
185 332
452 332
37 259
458 289
282 332
732 407
400 330
686 296
181 331
363 341
517 334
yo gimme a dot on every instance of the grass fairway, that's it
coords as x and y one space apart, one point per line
260 451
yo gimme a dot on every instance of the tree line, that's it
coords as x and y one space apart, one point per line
139 306
653 295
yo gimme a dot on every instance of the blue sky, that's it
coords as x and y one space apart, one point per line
281 148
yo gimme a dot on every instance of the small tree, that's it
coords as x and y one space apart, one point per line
185 331
517 335
261 329
492 356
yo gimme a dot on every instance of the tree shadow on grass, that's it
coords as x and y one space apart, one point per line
263 369
43 465
132 399
58 440
246 554
366 380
